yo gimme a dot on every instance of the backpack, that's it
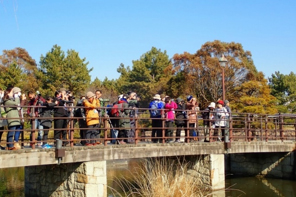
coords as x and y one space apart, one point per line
155 112
108 109
116 110
79 111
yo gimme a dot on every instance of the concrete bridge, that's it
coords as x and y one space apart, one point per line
82 170
257 145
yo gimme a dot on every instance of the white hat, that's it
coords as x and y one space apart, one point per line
212 104
157 97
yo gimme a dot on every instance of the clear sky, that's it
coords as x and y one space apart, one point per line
111 32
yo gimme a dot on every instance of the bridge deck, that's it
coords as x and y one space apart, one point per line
31 157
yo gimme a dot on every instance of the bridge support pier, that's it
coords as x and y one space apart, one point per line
210 169
87 179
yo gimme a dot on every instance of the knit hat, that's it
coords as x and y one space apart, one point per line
226 101
90 94
189 97
179 100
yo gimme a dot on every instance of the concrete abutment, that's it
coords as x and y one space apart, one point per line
86 179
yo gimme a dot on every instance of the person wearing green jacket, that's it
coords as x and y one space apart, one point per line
11 104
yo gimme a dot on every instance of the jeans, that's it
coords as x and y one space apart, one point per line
13 131
38 127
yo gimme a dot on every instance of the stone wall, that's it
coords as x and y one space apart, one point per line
209 169
273 165
86 179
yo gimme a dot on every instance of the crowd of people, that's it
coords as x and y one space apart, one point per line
54 112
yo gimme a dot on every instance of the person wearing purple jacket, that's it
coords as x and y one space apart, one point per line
169 107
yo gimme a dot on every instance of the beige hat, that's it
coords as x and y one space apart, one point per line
90 94
157 97
16 90
212 104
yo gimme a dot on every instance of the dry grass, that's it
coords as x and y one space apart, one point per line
160 177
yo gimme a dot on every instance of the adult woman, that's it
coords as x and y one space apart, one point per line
192 109
92 118
169 107
221 116
11 103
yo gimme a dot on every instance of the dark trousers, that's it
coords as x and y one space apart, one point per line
169 129
45 134
91 133
82 127
1 132
156 130
60 128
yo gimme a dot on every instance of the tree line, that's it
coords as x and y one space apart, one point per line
198 74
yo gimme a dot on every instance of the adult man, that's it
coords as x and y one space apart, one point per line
3 122
35 99
60 114
155 109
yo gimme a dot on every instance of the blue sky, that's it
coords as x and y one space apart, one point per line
108 33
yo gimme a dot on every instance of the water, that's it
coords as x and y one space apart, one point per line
12 182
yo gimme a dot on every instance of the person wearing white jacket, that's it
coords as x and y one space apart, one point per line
221 116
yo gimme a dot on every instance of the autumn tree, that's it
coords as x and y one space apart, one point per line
17 68
254 96
58 70
202 72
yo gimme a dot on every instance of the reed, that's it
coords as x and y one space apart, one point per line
160 177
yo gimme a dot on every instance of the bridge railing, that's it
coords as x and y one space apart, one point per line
239 127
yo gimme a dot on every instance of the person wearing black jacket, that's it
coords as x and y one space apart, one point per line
46 119
208 120
60 114
181 118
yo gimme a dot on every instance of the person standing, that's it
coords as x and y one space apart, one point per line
46 119
92 119
208 120
133 105
124 121
35 100
155 109
192 109
227 106
3 122
169 107
60 114
221 116
11 102
181 119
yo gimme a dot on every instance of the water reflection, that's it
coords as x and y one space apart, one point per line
252 186
12 182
